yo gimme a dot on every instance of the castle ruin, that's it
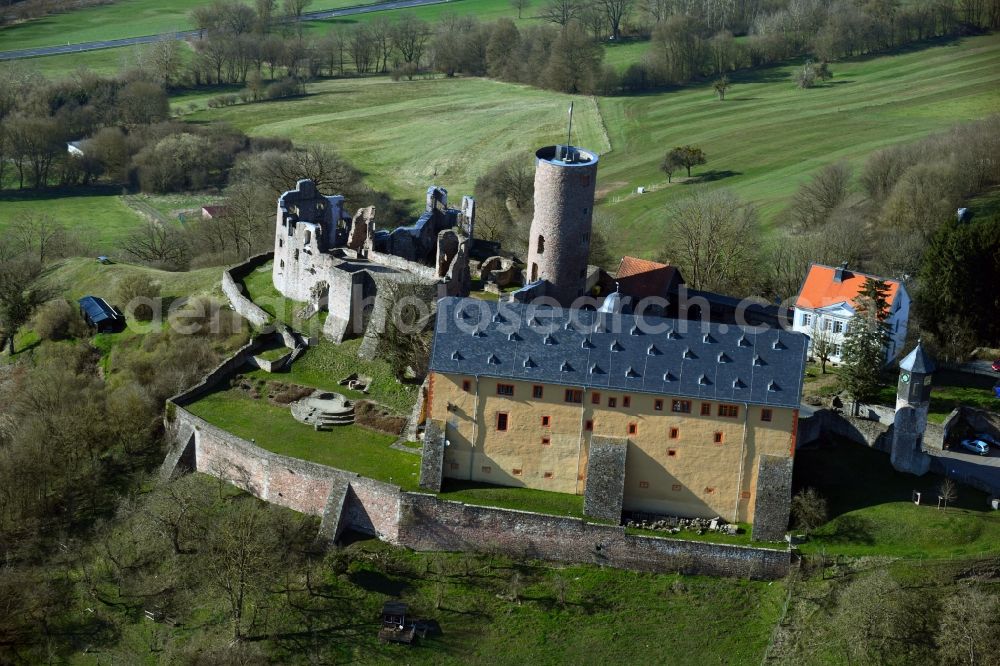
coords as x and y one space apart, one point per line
347 266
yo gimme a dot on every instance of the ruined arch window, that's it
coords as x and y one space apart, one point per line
282 263
307 237
540 247
281 242
296 255
534 272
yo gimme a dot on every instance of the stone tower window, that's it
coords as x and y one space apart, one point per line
307 237
296 255
541 244
534 272
282 263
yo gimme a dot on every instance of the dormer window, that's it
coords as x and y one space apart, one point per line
479 333
738 383
653 351
548 339
587 344
456 356
493 360
528 363
723 358
673 335
757 360
773 387
688 353
616 346
596 370
669 376
566 367
778 344
631 373
708 339
499 318
743 341
635 331
704 380
514 337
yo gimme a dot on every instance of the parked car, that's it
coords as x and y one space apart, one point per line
976 446
996 365
989 439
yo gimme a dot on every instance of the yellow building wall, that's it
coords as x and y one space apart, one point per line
700 478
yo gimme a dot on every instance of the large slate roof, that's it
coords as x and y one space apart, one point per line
622 352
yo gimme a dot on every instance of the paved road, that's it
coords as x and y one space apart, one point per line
189 34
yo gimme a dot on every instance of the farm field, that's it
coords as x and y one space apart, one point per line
131 18
406 135
762 142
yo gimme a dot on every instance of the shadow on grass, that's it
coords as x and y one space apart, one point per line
376 581
851 477
711 176
61 192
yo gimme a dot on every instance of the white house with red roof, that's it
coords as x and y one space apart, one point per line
826 303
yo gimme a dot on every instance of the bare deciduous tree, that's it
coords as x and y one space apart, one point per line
712 237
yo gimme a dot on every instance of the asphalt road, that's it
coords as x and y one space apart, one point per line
189 34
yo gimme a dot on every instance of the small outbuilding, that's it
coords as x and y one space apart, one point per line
394 626
101 316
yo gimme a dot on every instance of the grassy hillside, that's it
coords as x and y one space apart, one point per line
407 135
99 212
763 141
769 136
80 276
124 18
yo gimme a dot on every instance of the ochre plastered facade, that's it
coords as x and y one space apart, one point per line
687 475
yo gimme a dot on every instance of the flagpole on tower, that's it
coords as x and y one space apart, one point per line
569 132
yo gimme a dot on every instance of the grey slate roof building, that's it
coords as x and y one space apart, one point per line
100 315
586 349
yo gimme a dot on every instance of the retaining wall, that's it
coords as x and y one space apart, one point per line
346 500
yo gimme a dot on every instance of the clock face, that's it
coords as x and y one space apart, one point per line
905 378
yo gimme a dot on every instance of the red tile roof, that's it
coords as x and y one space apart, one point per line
640 278
820 289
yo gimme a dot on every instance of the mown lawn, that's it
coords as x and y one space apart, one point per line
872 512
769 136
325 364
407 135
347 447
522 499
81 276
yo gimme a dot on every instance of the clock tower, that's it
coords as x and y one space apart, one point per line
913 396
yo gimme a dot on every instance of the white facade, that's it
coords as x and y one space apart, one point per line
832 320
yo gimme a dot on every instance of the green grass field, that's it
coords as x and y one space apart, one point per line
125 18
79 276
406 135
347 447
872 513
98 214
762 142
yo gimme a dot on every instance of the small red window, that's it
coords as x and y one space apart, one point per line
505 389
674 433
502 421
765 415
658 405
672 452
633 428
589 425
717 438
681 406
709 491
467 386
574 395
627 401
595 398
745 494
706 409
546 441
546 421
537 392
644 484
676 487
547 475
612 402
516 471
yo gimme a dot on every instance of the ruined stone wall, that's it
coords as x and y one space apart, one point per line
875 434
774 496
232 287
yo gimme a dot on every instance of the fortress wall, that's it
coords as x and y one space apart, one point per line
431 524
232 288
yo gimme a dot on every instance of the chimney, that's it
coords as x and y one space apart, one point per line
838 273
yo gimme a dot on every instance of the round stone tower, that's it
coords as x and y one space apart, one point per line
559 242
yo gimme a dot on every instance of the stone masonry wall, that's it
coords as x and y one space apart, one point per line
605 489
774 496
231 287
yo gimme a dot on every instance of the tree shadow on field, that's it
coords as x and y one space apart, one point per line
375 581
712 176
